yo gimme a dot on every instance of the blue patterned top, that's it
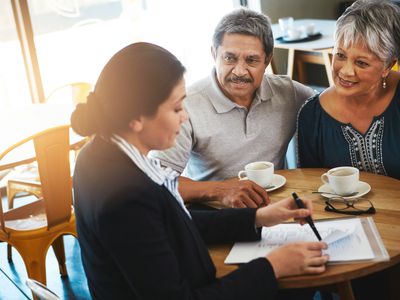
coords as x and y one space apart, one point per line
325 142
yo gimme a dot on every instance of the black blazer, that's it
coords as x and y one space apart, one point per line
138 243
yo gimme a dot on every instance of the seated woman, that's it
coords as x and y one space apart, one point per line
138 241
356 122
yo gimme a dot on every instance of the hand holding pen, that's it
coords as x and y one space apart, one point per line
293 258
283 210
308 219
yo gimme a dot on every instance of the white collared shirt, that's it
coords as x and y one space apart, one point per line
152 168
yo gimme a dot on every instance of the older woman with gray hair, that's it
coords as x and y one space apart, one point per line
356 122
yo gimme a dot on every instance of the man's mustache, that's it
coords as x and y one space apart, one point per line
239 79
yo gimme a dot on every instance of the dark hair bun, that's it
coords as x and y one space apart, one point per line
86 118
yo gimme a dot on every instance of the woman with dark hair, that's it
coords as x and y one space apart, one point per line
138 240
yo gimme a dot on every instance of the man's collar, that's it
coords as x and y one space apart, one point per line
265 92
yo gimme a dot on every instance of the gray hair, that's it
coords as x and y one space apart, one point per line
374 23
246 21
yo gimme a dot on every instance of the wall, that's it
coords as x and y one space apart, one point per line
299 9
317 9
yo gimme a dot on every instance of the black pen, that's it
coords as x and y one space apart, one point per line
310 222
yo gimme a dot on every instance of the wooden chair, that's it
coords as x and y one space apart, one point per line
396 67
33 227
75 92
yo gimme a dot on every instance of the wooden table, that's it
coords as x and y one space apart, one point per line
316 52
385 196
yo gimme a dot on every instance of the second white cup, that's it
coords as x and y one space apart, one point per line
285 24
261 172
309 29
342 180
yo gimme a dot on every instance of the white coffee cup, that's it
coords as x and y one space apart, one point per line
342 180
261 172
309 28
294 33
285 24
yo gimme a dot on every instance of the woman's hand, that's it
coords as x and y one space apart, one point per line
281 211
298 258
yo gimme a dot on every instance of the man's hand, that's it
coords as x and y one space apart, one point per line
231 192
241 193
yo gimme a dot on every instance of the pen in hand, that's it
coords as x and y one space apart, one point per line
308 219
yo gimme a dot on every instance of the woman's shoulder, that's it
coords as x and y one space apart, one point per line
311 105
105 163
138 196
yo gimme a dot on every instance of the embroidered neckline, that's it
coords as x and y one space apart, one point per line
395 98
366 150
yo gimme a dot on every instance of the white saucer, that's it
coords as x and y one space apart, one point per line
277 182
302 38
362 189
294 39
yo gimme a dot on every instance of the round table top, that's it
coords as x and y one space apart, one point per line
385 196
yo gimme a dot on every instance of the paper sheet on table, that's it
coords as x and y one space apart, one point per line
346 241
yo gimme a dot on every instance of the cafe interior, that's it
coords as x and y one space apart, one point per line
51 54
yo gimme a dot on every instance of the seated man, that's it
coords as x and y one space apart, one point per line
237 115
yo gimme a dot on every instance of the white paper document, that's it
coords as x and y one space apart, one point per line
346 239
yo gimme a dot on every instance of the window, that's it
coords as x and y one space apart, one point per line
74 39
14 89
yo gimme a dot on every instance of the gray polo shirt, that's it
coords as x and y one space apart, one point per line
221 137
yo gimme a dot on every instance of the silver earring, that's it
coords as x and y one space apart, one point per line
384 82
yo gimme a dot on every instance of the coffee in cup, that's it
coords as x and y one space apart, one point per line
260 172
342 180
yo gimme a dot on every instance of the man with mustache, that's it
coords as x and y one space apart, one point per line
237 115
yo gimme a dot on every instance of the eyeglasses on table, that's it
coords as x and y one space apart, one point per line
349 206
